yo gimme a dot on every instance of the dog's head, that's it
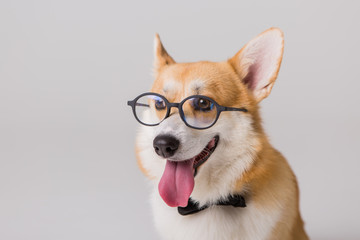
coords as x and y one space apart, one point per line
188 154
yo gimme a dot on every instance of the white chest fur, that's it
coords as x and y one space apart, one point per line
214 223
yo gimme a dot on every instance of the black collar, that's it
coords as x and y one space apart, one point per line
193 207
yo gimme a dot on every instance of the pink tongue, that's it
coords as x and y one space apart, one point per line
177 183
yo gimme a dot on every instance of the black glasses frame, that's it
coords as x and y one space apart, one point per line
179 105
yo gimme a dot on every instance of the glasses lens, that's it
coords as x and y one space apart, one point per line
150 109
199 112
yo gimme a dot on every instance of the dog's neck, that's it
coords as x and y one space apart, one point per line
194 207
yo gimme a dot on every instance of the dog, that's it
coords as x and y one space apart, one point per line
215 174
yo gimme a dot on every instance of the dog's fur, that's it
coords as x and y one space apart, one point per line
244 162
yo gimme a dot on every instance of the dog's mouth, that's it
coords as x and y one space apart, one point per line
205 153
177 181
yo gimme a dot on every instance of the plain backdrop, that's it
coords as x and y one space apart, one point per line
67 68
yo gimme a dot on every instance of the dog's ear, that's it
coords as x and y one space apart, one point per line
162 58
258 62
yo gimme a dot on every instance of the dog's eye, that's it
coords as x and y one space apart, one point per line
160 104
203 104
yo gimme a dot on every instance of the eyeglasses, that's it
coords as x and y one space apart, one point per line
197 111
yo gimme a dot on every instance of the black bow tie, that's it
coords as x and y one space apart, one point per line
193 207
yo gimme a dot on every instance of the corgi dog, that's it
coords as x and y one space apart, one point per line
201 143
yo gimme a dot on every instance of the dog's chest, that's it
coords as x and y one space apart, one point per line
214 223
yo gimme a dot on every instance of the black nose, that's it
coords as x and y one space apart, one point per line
165 145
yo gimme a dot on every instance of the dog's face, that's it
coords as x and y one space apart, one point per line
207 163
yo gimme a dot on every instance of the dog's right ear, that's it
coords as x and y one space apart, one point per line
162 58
258 62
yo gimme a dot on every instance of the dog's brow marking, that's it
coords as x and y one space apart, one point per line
196 86
170 86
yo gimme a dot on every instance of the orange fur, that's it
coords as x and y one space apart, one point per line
140 164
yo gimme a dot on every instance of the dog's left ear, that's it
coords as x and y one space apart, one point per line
258 62
162 58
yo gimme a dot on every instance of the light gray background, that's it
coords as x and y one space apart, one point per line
67 68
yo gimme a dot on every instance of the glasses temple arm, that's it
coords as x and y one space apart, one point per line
130 103
234 109
142 105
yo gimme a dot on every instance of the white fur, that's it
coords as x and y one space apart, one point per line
194 87
215 223
171 86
